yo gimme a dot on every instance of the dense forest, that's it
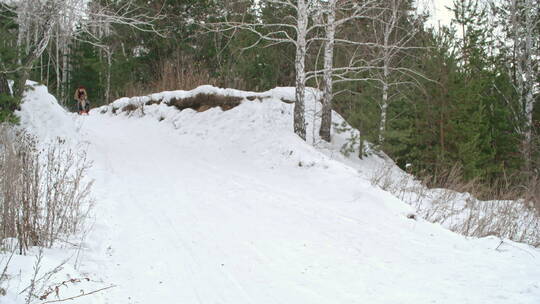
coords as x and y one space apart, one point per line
433 99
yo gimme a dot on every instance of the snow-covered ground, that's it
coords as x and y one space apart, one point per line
232 207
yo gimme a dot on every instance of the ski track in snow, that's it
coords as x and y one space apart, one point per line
216 209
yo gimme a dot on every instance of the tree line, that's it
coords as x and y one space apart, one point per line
431 98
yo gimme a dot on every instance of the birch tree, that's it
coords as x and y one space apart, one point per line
42 21
300 66
36 20
524 33
392 37
384 39
64 35
338 13
330 33
518 31
294 29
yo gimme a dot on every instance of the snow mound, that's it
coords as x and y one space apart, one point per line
263 119
42 116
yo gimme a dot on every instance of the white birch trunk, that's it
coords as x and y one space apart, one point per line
388 55
529 81
109 53
524 31
41 70
57 66
326 115
384 113
23 21
48 68
65 70
300 62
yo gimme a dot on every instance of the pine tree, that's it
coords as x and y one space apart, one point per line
8 64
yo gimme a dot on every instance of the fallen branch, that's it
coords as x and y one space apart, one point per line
83 294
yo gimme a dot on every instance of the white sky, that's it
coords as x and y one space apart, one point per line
438 10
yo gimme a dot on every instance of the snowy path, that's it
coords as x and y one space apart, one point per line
182 219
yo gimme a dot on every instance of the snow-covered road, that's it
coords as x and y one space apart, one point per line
231 207
192 218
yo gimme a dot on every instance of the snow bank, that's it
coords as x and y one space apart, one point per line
258 114
42 116
167 96
54 270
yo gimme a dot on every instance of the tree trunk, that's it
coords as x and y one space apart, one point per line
384 105
57 67
388 54
301 45
65 70
326 116
109 65
22 22
4 86
20 84
529 82
523 32
384 113
34 52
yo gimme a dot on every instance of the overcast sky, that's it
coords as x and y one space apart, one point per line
438 10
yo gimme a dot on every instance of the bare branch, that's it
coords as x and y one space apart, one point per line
83 294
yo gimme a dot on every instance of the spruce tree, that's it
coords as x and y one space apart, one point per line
8 64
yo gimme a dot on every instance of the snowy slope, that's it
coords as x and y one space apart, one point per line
232 207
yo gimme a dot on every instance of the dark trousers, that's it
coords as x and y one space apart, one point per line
80 106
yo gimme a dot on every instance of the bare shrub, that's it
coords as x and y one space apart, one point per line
179 73
129 108
5 259
450 179
182 73
383 178
448 199
44 194
200 103
203 101
532 193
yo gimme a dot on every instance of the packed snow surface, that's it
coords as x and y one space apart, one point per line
232 207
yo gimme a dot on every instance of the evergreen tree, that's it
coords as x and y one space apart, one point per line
8 64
